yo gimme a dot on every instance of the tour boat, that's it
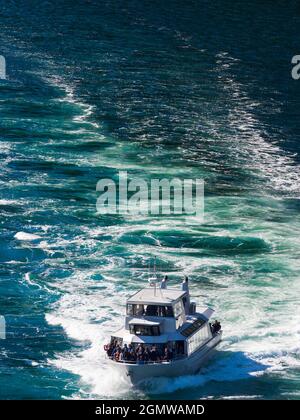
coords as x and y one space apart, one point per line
163 335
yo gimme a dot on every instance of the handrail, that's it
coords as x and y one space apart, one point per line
147 362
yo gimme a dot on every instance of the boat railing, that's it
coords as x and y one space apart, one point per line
147 362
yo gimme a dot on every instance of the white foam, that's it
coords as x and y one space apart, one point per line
256 151
81 314
242 397
86 110
4 202
24 236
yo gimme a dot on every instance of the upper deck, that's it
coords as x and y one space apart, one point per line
150 296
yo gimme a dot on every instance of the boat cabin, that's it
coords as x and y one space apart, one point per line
165 308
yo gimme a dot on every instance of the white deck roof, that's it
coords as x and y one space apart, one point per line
150 339
145 322
163 296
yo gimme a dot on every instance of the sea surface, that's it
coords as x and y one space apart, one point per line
195 89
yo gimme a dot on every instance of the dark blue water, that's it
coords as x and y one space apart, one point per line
189 88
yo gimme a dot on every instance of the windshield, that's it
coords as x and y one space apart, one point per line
144 330
150 310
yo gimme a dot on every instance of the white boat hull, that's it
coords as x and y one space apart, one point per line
186 366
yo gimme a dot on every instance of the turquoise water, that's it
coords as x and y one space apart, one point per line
195 89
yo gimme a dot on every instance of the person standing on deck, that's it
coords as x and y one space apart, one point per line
186 300
163 283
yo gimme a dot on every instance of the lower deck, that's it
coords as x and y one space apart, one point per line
186 365
156 353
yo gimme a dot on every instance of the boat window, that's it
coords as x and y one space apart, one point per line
129 310
192 327
144 330
169 311
178 308
198 339
135 310
177 347
159 310
150 310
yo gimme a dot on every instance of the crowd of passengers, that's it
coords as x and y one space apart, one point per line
141 353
